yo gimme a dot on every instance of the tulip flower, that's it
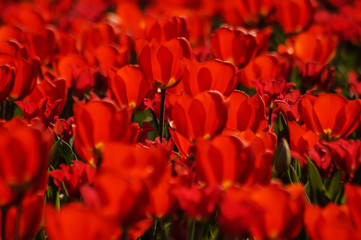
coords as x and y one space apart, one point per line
135 162
282 212
26 73
264 144
212 75
239 12
161 63
165 29
330 116
7 76
345 154
353 194
130 17
73 177
32 211
75 221
204 115
126 204
76 71
293 15
23 156
53 88
198 203
301 139
244 211
128 86
94 35
237 211
98 122
108 56
246 112
236 46
263 68
312 46
224 160
8 197
331 222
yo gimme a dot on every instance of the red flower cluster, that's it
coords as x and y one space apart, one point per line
167 119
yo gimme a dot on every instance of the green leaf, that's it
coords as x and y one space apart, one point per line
281 129
143 116
65 151
319 194
294 174
334 185
17 111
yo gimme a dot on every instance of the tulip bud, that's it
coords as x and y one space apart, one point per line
282 157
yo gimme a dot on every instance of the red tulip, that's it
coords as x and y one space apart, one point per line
264 144
161 63
198 203
346 154
236 46
73 177
46 101
7 76
240 12
224 161
263 68
301 139
204 115
162 202
94 35
128 86
244 211
130 17
185 147
211 75
52 87
26 73
311 47
331 222
8 34
283 211
237 211
30 218
330 116
108 56
76 71
8 196
23 156
75 221
293 15
96 123
165 29
127 203
135 162
246 112
353 194
24 15
64 128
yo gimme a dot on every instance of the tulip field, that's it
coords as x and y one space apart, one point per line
180 119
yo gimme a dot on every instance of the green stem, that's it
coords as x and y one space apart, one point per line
3 109
192 234
125 235
3 224
18 219
270 116
161 114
